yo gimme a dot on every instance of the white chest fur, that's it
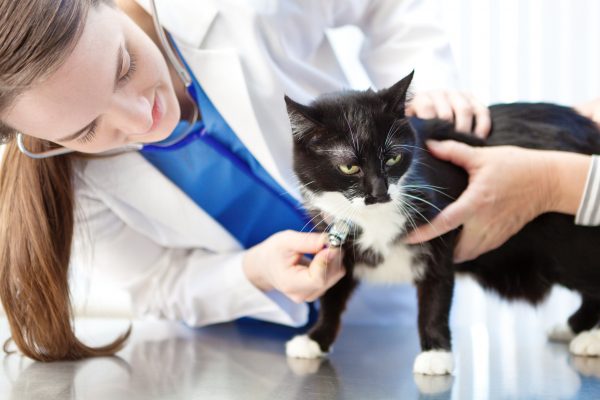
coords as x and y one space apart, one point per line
398 266
380 225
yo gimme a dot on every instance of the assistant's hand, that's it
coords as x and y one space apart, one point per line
278 263
508 187
453 106
590 109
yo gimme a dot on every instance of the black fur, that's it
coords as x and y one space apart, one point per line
549 250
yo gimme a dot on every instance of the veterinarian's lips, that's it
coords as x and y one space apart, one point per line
157 112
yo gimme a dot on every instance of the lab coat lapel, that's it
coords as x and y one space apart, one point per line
220 74
187 20
153 205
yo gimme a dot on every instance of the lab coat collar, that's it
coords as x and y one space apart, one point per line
220 74
187 20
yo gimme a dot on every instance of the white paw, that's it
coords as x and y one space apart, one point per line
304 366
433 384
303 347
561 333
587 343
434 362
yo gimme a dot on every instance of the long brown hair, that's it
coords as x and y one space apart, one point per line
37 196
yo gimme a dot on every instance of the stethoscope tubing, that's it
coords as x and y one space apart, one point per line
181 72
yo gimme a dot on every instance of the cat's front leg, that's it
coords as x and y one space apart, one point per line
318 341
434 298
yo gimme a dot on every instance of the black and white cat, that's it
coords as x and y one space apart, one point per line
359 159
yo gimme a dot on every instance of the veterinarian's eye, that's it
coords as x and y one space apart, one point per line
393 160
349 169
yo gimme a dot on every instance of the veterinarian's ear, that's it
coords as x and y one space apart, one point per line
395 96
304 119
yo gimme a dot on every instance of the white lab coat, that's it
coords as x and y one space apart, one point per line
138 229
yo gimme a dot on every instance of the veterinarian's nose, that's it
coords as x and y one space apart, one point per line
133 114
379 192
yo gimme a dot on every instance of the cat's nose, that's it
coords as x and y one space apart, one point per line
378 191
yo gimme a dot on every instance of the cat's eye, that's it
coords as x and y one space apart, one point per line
393 160
349 169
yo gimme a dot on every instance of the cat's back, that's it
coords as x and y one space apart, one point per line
543 126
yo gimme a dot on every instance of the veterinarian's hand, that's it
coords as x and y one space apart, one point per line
278 263
508 187
454 106
590 109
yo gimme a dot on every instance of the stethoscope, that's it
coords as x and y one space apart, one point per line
182 73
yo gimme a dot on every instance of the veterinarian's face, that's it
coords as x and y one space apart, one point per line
114 88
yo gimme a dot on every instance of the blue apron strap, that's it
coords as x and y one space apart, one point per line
226 188
213 167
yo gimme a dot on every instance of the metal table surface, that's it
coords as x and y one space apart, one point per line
166 360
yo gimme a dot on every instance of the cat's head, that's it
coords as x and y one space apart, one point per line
353 144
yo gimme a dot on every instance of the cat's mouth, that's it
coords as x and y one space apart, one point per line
370 200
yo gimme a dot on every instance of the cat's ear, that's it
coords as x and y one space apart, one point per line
395 96
304 119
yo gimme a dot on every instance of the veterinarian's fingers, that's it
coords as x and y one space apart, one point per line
483 121
450 218
463 112
335 272
422 106
450 150
443 108
302 242
324 260
409 110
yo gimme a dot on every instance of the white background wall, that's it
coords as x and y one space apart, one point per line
509 50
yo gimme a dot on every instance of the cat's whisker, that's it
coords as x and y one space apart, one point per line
420 199
406 146
425 185
352 135
412 224
432 188
401 205
303 185
388 137
309 222
298 186
438 233
396 125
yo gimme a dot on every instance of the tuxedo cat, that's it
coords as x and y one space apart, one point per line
361 160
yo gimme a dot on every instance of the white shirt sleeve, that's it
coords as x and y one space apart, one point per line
588 212
195 286
402 35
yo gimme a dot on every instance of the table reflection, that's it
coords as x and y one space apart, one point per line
233 361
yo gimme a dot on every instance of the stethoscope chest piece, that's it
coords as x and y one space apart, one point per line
339 232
